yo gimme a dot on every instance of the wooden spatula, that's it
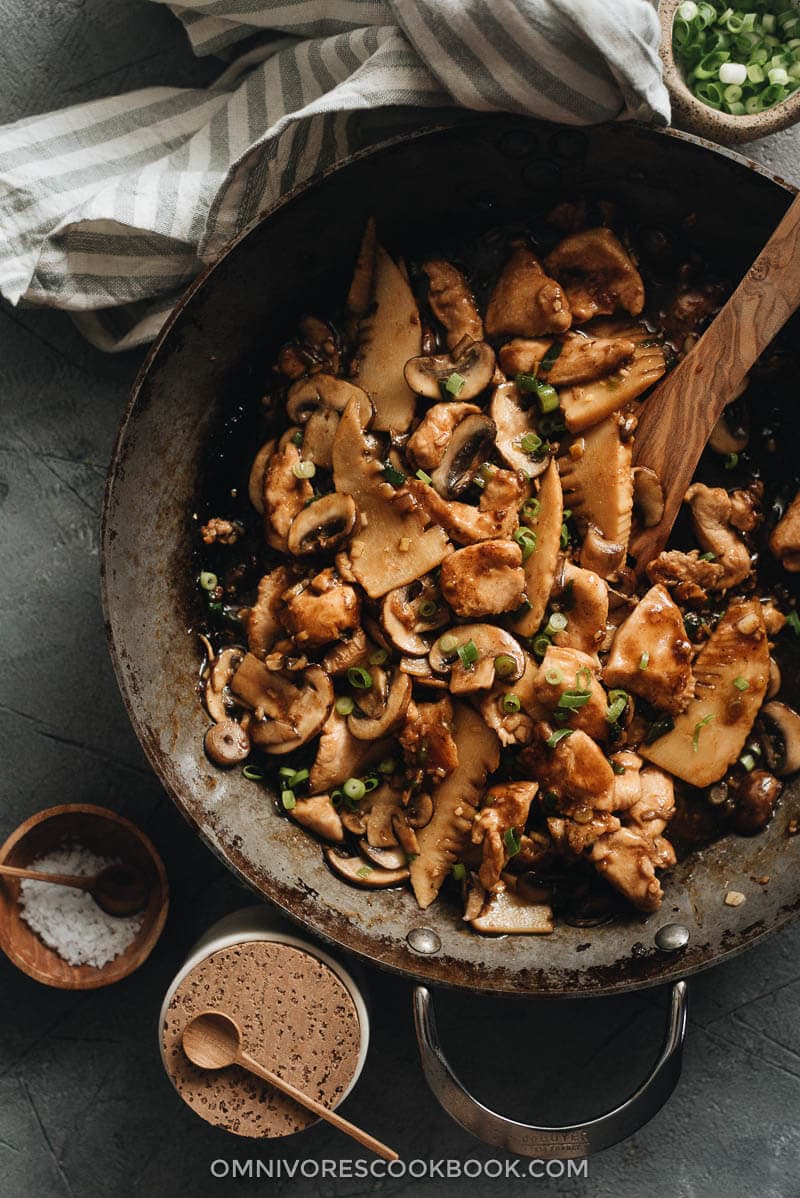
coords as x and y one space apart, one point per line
677 419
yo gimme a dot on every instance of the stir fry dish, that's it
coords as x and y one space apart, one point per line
424 635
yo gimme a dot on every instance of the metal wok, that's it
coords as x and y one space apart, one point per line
214 354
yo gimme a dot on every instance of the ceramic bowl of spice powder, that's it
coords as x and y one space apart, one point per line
59 935
301 1012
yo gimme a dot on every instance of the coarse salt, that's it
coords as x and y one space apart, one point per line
68 920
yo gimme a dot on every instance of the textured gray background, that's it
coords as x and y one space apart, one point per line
84 1107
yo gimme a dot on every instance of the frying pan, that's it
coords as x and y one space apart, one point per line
212 358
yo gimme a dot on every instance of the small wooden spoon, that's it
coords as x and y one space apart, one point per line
117 889
213 1040
678 418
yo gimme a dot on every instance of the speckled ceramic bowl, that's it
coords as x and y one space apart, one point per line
690 113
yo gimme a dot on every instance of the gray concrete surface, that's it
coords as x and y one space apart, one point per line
85 1111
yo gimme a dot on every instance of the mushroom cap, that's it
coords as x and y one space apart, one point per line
474 361
394 710
787 721
491 642
308 395
402 622
470 445
293 709
648 496
513 422
322 525
227 743
359 872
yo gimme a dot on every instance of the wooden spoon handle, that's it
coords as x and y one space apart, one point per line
79 881
317 1108
677 419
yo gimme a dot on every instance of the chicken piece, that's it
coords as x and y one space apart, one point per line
514 727
484 579
495 517
504 809
597 275
221 532
713 511
285 495
651 656
569 672
628 859
580 359
263 623
427 444
627 779
774 619
427 738
345 655
322 611
319 815
452 302
572 837
687 575
525 302
584 597
575 771
656 806
784 539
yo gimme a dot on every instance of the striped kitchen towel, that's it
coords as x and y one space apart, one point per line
108 209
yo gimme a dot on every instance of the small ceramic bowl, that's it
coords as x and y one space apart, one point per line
692 114
107 834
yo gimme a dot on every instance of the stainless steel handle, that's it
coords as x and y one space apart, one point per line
551 1143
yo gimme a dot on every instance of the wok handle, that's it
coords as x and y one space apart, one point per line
551 1143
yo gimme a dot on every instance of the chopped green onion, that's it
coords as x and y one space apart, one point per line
527 541
659 728
618 767
286 771
547 396
395 477
531 442
523 608
553 740
378 656
208 581
364 872
297 778
583 679
288 800
554 677
344 705
511 703
505 665
551 356
387 766
698 728
541 644
427 609
468 654
459 871
455 383
741 684
423 477
731 461
297 438
707 557
512 842
530 509
748 761
360 678
215 608
354 789
371 783
565 537
304 469
448 644
618 701
644 661
253 773
793 622
526 382
557 622
573 700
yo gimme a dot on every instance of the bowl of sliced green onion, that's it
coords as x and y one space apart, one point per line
732 66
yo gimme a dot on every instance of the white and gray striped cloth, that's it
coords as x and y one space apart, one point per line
108 209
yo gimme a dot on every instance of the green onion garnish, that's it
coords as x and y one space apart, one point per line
644 661
364 872
208 581
565 537
698 728
511 703
288 800
304 469
741 684
459 871
512 842
371 783
541 644
554 677
395 477
468 654
557 622
455 383
707 557
731 461
378 656
527 540
387 766
530 443
583 679
547 397
747 761
427 609
526 382
297 438
573 700
550 357
505 665
354 789
617 767
298 777
360 678
448 644
253 773
344 705
618 701
530 509
423 477
553 740
793 622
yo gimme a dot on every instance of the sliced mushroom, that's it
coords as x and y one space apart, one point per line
346 654
359 872
419 669
428 443
784 540
285 495
597 275
287 710
490 642
220 672
470 445
540 567
509 913
389 333
774 684
648 496
494 517
787 722
388 858
394 709
580 359
319 815
394 547
604 557
316 403
586 404
473 362
359 295
227 743
514 422
403 620
597 482
452 302
263 623
525 302
323 525
255 484
419 810
725 440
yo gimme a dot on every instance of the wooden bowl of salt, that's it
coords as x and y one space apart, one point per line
61 937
